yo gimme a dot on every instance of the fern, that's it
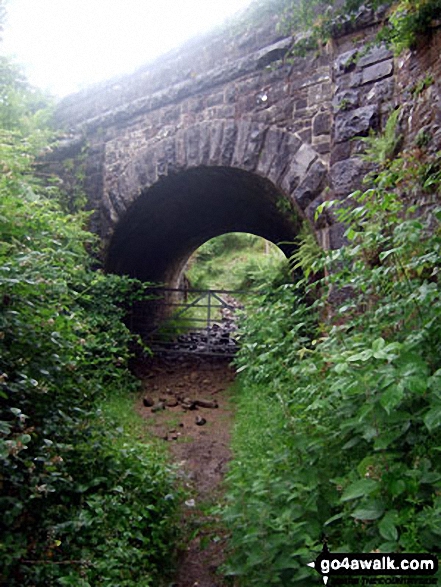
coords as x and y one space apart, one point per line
383 147
308 254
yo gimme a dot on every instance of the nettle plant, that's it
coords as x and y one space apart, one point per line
347 442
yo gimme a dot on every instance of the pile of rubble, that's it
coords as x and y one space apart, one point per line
216 339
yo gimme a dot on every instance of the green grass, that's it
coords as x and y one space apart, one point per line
235 261
119 410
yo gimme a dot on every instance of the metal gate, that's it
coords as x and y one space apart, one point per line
197 321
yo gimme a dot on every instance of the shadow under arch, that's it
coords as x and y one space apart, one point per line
171 219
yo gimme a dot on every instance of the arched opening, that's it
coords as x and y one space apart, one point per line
174 217
235 261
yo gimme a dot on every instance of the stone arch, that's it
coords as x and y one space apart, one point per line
202 181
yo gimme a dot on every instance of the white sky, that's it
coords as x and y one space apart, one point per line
65 45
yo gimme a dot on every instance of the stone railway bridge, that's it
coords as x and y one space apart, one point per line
229 134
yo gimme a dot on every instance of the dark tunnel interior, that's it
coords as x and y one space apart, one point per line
174 217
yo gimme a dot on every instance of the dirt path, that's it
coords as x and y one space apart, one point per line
192 412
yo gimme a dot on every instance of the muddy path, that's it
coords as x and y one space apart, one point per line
187 403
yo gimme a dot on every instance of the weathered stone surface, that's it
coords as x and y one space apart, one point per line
377 71
346 24
192 142
321 124
288 148
216 134
270 151
311 186
346 100
355 123
336 236
221 137
346 176
250 139
297 169
345 62
381 93
339 152
374 55
274 52
228 142
322 148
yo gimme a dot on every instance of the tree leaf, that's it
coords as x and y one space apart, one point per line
363 356
371 511
392 397
387 527
359 489
432 419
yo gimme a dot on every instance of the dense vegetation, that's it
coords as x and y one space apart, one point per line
339 409
84 501
404 21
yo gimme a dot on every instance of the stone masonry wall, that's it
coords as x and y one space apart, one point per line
239 101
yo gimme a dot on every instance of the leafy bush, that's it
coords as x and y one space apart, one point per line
82 503
339 422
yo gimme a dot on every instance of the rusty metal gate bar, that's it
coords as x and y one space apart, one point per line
169 334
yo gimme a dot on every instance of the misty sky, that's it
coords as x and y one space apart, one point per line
65 45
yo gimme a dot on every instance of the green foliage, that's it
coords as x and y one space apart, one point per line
339 423
83 503
422 84
407 20
22 107
380 148
307 254
236 261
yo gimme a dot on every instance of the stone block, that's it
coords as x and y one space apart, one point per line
215 99
274 139
378 71
355 123
322 148
181 155
166 157
345 62
319 93
204 148
230 94
321 125
382 91
311 185
346 100
346 176
301 104
297 168
374 55
254 147
228 142
216 133
336 236
288 148
192 140
306 135
310 80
